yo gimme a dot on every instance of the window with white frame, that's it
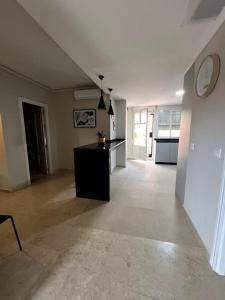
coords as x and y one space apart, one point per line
169 123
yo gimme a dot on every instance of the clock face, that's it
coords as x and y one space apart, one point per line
207 75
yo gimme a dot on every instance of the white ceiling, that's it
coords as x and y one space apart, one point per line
143 47
26 48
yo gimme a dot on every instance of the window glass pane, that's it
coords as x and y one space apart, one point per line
140 135
175 130
164 131
137 117
164 117
176 117
169 123
143 116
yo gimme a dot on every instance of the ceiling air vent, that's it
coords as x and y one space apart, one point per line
88 94
198 10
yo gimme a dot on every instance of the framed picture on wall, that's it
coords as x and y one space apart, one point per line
84 118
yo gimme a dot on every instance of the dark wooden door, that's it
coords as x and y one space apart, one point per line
41 140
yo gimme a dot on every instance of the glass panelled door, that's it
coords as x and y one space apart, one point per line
140 119
150 129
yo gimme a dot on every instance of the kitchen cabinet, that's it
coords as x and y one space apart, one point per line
166 151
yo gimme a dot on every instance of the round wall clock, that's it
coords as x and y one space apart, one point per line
207 75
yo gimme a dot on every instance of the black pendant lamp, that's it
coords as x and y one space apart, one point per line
110 111
101 104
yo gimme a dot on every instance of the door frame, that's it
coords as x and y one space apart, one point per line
49 152
217 257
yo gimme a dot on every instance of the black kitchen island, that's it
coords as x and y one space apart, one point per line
93 168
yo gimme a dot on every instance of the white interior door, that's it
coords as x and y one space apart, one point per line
140 118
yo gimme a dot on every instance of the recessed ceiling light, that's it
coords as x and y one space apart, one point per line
180 93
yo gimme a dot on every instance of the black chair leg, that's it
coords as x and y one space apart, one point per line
17 237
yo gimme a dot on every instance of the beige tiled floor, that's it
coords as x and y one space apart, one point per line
138 246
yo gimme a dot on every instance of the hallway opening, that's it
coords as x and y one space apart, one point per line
36 140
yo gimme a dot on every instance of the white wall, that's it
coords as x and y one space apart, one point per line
184 139
121 119
70 137
11 88
204 170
